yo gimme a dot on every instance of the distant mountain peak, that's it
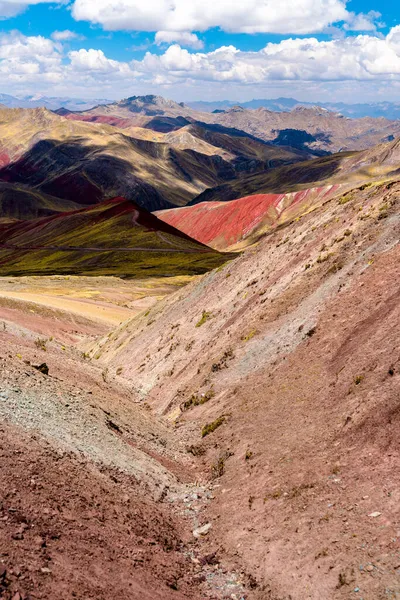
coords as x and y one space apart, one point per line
150 99
310 109
236 108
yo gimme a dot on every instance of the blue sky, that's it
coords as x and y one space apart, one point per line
204 49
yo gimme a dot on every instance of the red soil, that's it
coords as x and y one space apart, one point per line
223 224
69 532
298 342
108 120
4 159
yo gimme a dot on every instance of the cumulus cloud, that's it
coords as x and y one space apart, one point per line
360 58
65 36
95 61
184 38
29 59
249 16
37 63
363 22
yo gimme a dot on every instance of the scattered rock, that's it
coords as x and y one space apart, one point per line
43 368
209 559
202 531
369 568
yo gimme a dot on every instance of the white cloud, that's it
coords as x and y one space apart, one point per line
246 16
363 57
12 8
29 60
35 63
65 36
363 22
184 38
95 62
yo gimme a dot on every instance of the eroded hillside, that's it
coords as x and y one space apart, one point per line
281 372
86 162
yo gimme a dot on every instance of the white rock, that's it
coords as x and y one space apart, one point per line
201 531
375 514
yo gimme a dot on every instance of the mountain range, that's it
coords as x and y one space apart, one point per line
315 130
161 154
388 110
50 102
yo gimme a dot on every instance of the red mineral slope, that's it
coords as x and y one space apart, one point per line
104 119
239 223
4 158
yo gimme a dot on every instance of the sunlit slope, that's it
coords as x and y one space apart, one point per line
114 237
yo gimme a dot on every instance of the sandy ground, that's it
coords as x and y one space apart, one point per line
109 300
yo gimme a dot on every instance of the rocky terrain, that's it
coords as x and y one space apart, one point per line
282 371
314 128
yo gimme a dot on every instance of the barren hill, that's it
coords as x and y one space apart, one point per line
113 237
313 128
242 222
348 168
179 423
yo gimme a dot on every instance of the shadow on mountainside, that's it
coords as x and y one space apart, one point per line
284 179
300 139
80 173
85 173
164 124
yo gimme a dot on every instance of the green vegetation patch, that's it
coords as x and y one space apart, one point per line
210 427
204 317
196 400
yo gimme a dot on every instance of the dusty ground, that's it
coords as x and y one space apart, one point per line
109 300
